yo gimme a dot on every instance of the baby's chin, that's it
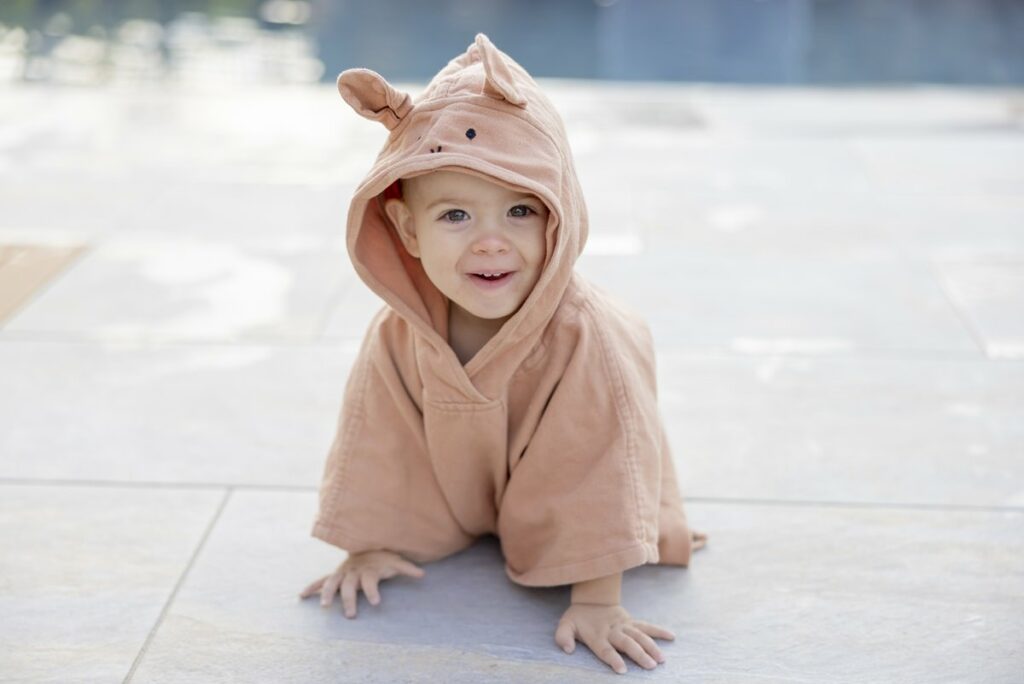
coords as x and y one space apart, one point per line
484 313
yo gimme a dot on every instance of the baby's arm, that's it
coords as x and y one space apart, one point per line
360 569
598 620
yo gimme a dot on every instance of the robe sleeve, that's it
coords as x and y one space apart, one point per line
378 489
584 499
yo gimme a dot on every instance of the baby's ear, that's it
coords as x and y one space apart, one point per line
500 82
401 218
373 97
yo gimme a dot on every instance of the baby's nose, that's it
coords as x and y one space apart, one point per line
490 245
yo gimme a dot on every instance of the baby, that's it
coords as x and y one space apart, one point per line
497 392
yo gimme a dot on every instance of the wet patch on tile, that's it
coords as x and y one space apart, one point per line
162 288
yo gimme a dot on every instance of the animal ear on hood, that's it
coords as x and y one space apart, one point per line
373 97
500 82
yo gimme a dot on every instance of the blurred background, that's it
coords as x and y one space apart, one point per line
736 41
817 206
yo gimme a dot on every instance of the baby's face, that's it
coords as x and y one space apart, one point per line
460 225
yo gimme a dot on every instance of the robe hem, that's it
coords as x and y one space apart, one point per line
353 544
581 571
337 537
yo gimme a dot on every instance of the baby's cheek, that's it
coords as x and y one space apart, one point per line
438 262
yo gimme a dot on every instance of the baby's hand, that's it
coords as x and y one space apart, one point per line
360 569
608 629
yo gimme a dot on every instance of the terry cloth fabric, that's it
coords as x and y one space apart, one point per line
550 436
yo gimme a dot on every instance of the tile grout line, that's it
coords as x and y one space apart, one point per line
898 505
934 270
969 323
351 345
177 585
172 341
740 501
143 484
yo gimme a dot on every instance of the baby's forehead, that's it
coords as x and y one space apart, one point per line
448 181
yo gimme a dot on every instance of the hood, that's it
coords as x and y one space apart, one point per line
519 142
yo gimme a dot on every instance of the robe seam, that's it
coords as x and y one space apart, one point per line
465 406
451 82
626 416
567 320
357 421
535 356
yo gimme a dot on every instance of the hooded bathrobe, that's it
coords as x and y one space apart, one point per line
550 436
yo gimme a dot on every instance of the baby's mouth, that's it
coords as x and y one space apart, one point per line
492 278
492 281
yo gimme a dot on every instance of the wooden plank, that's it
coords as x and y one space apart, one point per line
25 269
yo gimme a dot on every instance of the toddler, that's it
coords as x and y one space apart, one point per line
497 392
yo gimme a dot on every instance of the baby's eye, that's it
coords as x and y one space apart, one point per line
455 215
525 210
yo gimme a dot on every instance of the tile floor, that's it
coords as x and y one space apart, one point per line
835 280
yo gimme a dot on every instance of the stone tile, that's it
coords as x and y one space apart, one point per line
854 595
726 224
216 656
201 414
992 295
854 111
831 222
259 215
261 134
740 112
853 254
351 314
778 595
955 226
72 208
611 204
177 288
953 164
86 573
940 431
774 305
463 621
690 165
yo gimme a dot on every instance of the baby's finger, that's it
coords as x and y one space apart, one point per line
606 652
407 568
654 630
645 641
565 636
313 588
348 593
630 647
329 589
370 580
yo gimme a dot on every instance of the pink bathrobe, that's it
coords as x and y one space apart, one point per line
550 436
